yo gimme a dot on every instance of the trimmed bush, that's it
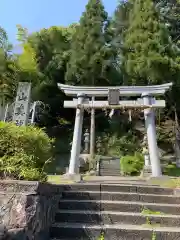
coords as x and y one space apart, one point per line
132 165
24 151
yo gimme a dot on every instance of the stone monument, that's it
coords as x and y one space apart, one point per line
22 104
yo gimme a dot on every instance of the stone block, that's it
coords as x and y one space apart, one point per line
28 208
3 231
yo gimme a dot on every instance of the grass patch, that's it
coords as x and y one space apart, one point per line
173 183
146 211
173 177
148 223
169 183
172 170
87 177
58 179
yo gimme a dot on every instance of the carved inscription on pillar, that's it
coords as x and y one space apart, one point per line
22 104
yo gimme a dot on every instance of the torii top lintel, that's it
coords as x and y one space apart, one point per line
154 90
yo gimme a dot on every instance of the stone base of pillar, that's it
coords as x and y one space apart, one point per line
73 177
146 172
178 163
85 151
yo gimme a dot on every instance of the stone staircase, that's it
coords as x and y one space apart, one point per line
109 166
117 211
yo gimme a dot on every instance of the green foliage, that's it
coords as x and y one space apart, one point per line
119 25
132 165
120 146
139 45
154 236
22 33
52 48
169 11
24 152
171 170
101 236
112 144
120 20
21 166
149 55
92 54
27 60
146 211
8 73
49 50
165 133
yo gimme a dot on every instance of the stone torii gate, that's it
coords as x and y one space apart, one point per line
146 102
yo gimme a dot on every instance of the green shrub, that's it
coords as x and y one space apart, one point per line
114 145
123 145
132 165
24 151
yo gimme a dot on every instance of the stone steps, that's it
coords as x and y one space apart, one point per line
78 231
121 211
110 217
122 206
109 172
109 167
119 188
120 196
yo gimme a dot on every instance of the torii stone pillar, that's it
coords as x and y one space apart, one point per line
76 144
151 136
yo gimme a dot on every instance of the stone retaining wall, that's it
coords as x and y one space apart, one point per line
27 209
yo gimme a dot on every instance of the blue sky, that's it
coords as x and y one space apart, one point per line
37 14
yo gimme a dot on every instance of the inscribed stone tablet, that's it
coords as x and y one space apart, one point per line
113 96
21 108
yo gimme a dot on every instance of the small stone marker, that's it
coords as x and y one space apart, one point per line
22 104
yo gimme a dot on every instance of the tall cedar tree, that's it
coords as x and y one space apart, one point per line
119 25
120 22
148 50
91 54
